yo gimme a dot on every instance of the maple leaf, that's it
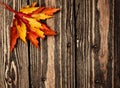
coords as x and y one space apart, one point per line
27 23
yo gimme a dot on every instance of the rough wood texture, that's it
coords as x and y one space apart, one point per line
81 55
15 65
117 45
95 43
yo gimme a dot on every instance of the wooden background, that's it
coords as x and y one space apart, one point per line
84 54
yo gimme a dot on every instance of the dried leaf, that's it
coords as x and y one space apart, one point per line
13 37
33 38
50 11
28 9
27 23
41 16
47 30
21 28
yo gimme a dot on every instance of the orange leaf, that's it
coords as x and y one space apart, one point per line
21 28
50 11
27 23
13 37
47 30
33 38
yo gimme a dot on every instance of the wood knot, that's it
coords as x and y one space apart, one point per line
95 48
9 81
99 81
43 79
68 44
11 74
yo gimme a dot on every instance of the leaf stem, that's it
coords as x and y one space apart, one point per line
8 7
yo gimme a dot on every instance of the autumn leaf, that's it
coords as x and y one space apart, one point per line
33 38
27 23
21 29
13 37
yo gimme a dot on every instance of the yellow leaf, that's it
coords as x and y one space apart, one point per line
28 23
28 10
21 28
35 26
38 32
33 38
41 16
33 23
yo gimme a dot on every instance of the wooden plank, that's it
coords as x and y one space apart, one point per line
117 44
105 53
38 59
50 74
2 67
22 57
83 42
5 46
53 66
14 67
64 56
95 52
81 55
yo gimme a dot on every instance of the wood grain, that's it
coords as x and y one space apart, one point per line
95 42
117 43
2 67
56 58
35 60
65 45
50 74
104 13
15 64
83 42
81 55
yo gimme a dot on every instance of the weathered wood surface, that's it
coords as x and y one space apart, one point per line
117 44
95 43
80 56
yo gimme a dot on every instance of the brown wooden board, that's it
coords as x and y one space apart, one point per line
15 65
94 43
117 44
81 55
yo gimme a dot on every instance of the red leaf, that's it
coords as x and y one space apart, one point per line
7 7
33 38
47 30
13 37
27 23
